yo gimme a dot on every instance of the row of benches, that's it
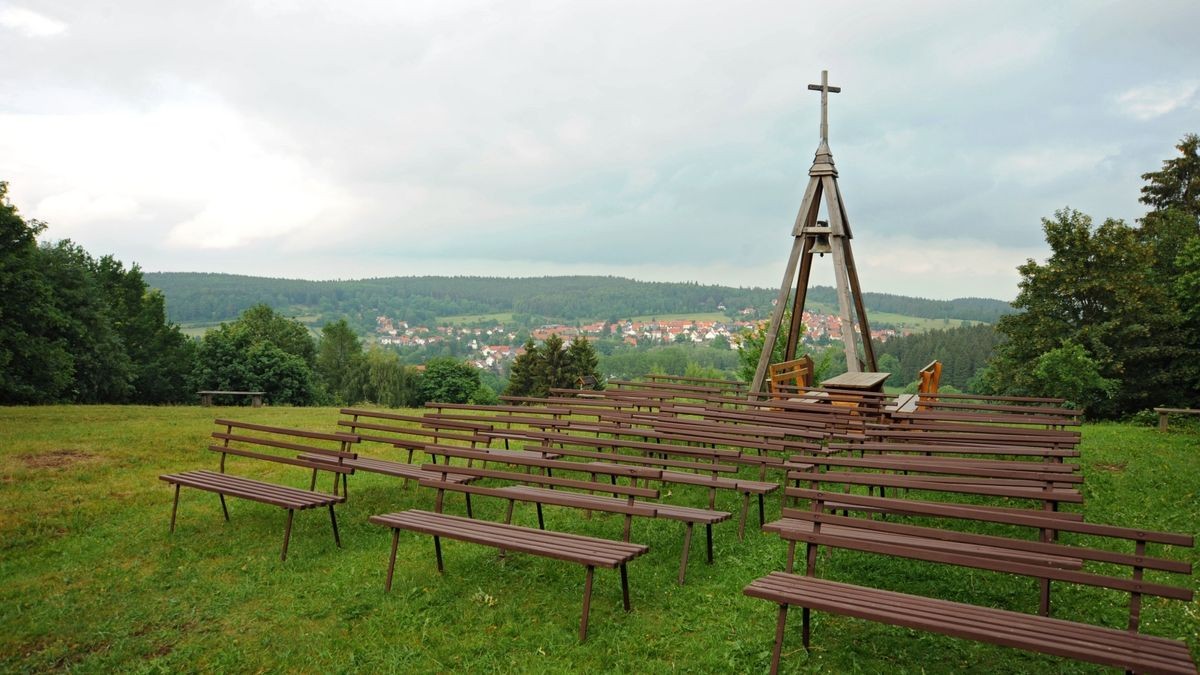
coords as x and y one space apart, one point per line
657 424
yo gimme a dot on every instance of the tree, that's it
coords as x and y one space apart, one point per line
522 378
448 380
379 377
554 368
1068 372
103 372
750 345
260 323
583 362
339 355
1097 290
35 363
1177 185
244 355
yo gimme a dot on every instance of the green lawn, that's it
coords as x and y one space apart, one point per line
91 580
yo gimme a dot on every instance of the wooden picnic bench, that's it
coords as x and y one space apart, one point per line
256 397
1164 413
1045 561
244 439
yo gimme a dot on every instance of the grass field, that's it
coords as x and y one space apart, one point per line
499 318
92 582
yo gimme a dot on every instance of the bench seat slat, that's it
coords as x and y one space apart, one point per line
245 488
559 545
1094 644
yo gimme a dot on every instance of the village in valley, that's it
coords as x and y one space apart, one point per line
494 347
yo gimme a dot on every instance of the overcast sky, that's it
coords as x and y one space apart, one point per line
656 140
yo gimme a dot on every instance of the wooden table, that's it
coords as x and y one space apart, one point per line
857 381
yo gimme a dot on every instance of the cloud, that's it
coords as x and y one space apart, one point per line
1155 100
310 137
30 23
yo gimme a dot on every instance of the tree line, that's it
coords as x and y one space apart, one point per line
203 297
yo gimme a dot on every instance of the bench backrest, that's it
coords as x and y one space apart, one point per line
246 439
383 427
789 376
973 482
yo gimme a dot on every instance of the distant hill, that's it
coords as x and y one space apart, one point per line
195 297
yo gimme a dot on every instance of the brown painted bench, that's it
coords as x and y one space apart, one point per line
548 489
690 471
1041 560
244 439
591 552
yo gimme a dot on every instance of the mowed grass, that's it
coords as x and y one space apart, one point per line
91 581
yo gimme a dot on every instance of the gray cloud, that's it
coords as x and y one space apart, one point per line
666 140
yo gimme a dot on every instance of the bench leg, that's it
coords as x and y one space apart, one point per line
345 486
587 603
467 495
287 535
174 507
791 557
625 586
778 649
806 629
333 521
1162 421
708 534
761 517
224 508
312 484
392 559
742 518
683 558
541 520
437 551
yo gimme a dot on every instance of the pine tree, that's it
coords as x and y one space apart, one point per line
583 362
522 379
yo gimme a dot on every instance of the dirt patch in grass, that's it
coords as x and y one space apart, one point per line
162 651
1114 467
55 459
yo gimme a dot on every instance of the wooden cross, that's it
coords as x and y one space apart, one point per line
824 88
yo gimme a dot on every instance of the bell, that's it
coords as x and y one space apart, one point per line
820 245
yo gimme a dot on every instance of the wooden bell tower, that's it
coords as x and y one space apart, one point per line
831 235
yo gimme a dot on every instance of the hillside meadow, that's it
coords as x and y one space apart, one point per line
93 582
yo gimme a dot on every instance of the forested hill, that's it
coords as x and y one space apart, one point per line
194 297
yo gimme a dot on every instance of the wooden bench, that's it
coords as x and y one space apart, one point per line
591 552
256 397
689 471
1126 649
1164 413
548 489
244 439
